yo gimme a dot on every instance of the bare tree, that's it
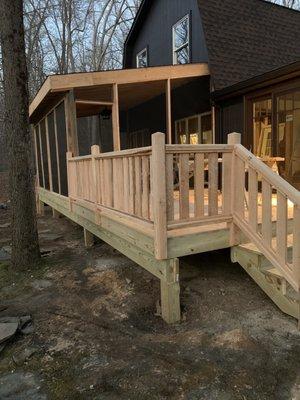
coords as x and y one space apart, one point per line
25 248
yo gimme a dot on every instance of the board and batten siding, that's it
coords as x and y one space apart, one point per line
155 33
230 118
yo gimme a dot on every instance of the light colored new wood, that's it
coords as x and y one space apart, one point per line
146 187
201 148
281 226
234 138
34 131
57 149
62 83
226 182
96 195
239 186
253 199
88 238
126 184
41 154
169 110
131 186
138 186
184 206
296 245
199 184
266 212
213 184
71 123
170 186
48 155
115 119
159 195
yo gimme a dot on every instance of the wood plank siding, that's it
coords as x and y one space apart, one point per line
155 34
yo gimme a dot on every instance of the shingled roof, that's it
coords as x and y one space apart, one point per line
246 38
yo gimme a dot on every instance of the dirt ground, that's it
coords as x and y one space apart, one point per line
96 335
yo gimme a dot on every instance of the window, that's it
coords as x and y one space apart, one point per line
262 128
181 41
142 59
195 130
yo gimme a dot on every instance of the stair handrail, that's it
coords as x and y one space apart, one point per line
277 257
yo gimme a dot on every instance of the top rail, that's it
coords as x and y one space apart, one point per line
270 176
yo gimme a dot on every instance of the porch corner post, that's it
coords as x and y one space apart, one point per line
159 195
71 123
169 111
233 138
116 118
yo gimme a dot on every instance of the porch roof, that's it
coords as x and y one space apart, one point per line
93 90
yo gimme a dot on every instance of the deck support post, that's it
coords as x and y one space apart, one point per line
170 293
170 302
55 213
88 238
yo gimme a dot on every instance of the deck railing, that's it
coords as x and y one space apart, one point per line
181 186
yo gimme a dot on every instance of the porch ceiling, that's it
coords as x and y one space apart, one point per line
135 86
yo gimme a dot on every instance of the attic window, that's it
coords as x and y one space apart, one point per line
142 59
181 41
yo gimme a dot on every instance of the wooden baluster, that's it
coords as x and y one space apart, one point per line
158 172
108 182
239 185
170 186
281 226
138 186
146 187
226 182
95 151
199 184
102 186
296 245
131 186
213 184
266 212
184 206
253 198
126 183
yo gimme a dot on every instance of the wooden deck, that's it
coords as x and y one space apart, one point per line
159 203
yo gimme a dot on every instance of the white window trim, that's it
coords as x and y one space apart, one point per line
145 50
187 44
186 120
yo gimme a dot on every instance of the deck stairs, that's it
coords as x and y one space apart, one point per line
268 278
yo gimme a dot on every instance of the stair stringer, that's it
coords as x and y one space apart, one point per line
275 286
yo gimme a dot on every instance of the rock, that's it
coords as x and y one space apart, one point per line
128 281
7 330
4 256
7 249
24 355
21 386
41 284
50 236
24 324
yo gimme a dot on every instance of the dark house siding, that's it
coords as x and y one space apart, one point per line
156 33
150 117
230 118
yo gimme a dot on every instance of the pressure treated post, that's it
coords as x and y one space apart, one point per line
234 139
296 253
71 123
116 118
159 195
170 293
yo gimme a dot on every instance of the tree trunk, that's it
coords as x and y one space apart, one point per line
25 247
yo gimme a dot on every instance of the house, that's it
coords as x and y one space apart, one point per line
144 157
252 48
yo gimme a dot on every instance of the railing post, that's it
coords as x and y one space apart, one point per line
95 151
296 244
159 197
233 139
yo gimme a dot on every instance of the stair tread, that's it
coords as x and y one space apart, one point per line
252 247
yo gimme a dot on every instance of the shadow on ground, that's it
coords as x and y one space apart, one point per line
96 335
